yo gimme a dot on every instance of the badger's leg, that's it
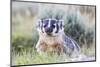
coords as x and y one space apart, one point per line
41 47
71 48
57 48
37 45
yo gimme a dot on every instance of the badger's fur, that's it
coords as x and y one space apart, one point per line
52 38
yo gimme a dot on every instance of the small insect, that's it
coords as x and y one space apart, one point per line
52 38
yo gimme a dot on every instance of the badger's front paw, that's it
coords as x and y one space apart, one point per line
41 47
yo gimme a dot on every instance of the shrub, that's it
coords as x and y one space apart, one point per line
20 42
75 28
75 25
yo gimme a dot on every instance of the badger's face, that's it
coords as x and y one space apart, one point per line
50 27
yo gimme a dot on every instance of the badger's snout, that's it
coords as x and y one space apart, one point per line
48 30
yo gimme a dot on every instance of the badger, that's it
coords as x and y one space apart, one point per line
52 38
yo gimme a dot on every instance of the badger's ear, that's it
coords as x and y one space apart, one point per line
38 23
61 23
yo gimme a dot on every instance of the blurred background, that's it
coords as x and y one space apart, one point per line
79 25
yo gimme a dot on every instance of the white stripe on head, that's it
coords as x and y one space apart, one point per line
43 29
55 29
61 22
38 24
49 22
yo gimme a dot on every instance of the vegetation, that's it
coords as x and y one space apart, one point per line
25 36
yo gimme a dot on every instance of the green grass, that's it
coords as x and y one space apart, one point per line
24 52
30 56
88 51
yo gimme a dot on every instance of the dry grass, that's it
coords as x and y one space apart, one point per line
25 37
30 56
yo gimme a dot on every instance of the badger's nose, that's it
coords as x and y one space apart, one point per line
48 30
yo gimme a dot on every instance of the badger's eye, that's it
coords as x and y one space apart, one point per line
44 25
53 26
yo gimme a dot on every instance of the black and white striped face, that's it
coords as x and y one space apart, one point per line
50 27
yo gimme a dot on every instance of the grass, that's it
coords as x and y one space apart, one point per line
30 56
24 52
25 37
88 51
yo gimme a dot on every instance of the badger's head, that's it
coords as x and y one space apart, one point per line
50 27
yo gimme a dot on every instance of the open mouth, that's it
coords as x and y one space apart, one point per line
49 34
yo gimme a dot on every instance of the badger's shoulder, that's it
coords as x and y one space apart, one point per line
70 44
